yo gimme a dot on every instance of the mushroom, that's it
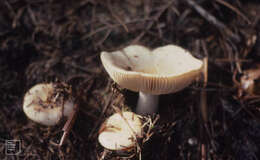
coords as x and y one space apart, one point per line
119 131
47 103
164 70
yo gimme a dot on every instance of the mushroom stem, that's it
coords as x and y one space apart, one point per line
147 103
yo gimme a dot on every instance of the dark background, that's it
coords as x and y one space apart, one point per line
55 40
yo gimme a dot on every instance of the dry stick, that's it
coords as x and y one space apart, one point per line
71 120
203 152
68 125
84 69
17 17
203 106
203 93
102 113
100 42
205 72
210 136
10 8
157 16
112 26
116 16
213 20
160 38
103 155
247 111
234 9
151 123
73 10
225 60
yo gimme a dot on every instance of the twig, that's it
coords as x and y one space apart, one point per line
72 11
205 72
203 152
68 125
213 20
112 26
234 9
84 69
102 113
10 8
116 17
157 16
203 106
225 60
104 38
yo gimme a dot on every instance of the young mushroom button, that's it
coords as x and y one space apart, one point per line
164 70
119 131
47 103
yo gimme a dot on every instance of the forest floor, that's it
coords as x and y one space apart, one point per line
52 40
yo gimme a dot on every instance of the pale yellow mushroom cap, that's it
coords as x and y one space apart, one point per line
44 105
163 70
118 133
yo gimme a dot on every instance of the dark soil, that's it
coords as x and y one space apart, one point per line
54 40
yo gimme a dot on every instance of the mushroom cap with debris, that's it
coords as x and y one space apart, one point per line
163 70
45 104
119 131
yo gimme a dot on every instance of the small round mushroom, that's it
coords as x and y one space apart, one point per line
47 103
119 131
165 70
